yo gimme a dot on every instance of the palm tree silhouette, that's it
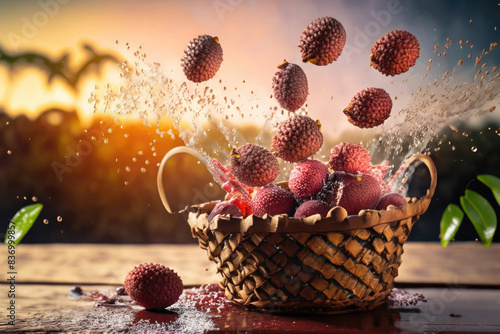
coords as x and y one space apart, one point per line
60 66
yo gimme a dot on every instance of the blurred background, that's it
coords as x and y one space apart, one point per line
84 137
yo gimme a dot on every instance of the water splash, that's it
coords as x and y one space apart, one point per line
208 117
440 101
202 115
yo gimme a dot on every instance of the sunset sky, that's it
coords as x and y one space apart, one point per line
255 36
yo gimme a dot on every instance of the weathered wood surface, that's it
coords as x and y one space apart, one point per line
51 309
46 273
459 263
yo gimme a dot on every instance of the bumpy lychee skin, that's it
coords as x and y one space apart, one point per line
225 208
202 58
290 86
350 158
322 41
273 201
356 192
297 138
153 286
254 165
391 199
307 178
369 108
312 207
395 52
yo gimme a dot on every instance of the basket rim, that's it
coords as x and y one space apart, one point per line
337 219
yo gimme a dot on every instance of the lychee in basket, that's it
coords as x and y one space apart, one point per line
281 264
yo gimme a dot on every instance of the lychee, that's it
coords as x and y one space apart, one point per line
153 286
297 138
354 192
322 41
369 108
202 58
395 52
273 201
225 208
307 178
312 207
391 199
290 86
350 158
254 165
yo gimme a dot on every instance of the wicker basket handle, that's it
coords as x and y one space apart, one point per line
425 159
166 158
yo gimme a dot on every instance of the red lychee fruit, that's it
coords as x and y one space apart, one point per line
391 199
202 58
369 108
312 207
355 192
273 201
290 86
254 165
297 138
153 286
238 193
379 172
307 178
322 41
225 208
350 158
395 52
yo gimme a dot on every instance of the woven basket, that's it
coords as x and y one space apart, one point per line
336 264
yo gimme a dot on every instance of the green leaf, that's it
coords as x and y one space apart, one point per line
493 183
21 223
450 222
481 214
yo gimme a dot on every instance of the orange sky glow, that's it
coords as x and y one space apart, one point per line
255 35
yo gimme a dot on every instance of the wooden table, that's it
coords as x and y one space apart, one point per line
461 284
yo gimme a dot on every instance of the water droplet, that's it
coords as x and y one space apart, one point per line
127 169
9 152
143 170
59 218
473 149
34 199
134 159
45 221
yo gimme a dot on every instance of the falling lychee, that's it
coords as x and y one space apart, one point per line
254 165
297 138
322 41
395 52
369 108
290 86
202 58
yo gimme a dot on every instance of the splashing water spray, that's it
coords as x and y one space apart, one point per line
203 115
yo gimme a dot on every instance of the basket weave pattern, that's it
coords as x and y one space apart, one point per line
320 272
334 264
